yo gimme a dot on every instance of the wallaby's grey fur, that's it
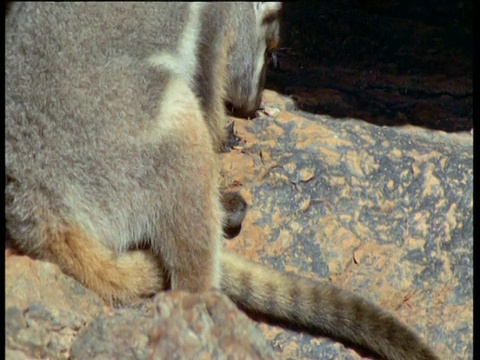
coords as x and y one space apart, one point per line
114 113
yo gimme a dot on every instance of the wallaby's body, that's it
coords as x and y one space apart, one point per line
114 114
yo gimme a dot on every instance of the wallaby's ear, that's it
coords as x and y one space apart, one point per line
266 11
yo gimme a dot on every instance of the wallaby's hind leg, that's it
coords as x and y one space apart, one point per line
115 277
192 228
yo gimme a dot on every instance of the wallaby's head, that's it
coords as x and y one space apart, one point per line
257 34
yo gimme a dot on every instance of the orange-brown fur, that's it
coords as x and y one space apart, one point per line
123 277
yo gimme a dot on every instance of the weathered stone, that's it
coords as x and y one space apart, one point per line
50 315
44 308
182 326
204 326
387 212
115 334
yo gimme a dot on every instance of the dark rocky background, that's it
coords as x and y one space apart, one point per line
387 62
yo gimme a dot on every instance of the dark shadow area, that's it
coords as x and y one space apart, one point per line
388 63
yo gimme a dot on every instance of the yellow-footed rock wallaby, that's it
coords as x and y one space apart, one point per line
114 113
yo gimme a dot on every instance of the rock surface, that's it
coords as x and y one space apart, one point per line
206 327
387 212
45 310
48 315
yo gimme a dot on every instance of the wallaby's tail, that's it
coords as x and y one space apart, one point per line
319 308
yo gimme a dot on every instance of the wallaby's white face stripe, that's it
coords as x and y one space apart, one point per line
265 9
184 62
